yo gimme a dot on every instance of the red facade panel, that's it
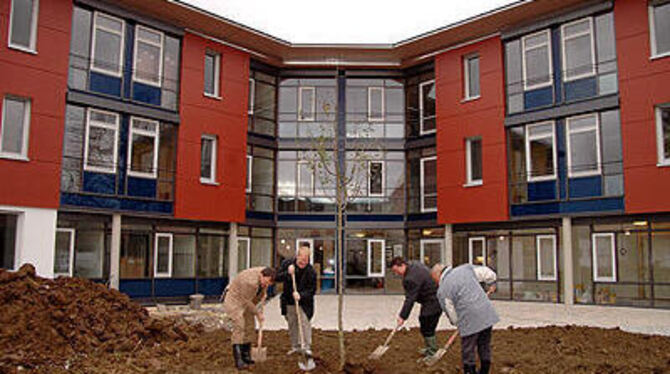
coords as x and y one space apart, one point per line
225 118
41 77
458 120
643 85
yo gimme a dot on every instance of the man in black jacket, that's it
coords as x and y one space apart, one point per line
305 278
420 288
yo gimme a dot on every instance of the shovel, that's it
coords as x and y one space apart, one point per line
432 360
307 362
259 353
380 350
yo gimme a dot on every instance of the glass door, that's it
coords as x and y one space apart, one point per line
432 251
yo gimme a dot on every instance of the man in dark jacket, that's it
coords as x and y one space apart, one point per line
305 278
420 288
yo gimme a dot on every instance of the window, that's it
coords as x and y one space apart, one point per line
163 255
148 56
583 142
101 148
64 252
604 257
659 22
473 161
546 257
143 148
375 104
252 89
477 250
536 60
431 251
243 254
23 25
306 103
8 238
427 107
376 257
15 128
305 179
579 58
376 178
429 184
663 135
212 74
471 69
108 38
541 151
208 151
250 162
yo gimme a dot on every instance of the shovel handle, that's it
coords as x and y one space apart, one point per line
388 340
297 312
260 334
451 340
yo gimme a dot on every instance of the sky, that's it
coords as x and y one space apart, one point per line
347 21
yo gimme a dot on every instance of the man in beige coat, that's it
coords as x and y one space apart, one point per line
245 291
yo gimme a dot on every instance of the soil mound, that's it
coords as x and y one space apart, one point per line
46 322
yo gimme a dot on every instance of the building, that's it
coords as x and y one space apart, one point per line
161 148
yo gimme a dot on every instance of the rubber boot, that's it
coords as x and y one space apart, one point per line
486 365
469 369
431 346
237 355
246 353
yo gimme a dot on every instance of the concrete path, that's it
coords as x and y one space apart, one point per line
380 311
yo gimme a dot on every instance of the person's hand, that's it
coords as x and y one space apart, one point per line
296 296
400 323
291 269
492 289
260 317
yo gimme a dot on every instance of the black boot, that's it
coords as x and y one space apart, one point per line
486 365
237 355
246 353
469 369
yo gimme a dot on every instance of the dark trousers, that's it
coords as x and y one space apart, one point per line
429 324
481 341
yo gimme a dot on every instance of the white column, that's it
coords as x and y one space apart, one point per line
115 252
232 252
568 276
448 245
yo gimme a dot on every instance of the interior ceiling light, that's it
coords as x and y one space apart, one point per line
640 223
427 232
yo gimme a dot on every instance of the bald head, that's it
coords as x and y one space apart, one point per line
436 271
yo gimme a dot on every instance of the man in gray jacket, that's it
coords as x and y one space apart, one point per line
468 307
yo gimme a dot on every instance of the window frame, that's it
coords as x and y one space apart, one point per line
422 252
554 253
115 127
528 139
652 31
247 240
160 57
212 167
383 175
311 248
32 48
422 181
526 86
660 136
370 274
27 107
250 169
252 96
156 135
421 110
564 57
217 75
469 181
467 77
568 132
594 254
72 234
170 236
312 118
299 179
471 240
383 104
95 27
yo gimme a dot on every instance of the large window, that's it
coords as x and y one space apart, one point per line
583 142
659 19
163 255
604 257
477 250
305 179
547 268
212 71
536 60
108 37
376 178
579 59
471 70
143 148
541 151
306 104
148 56
243 253
429 184
15 128
427 107
212 254
23 25
64 252
208 149
375 104
473 163
376 257
663 135
100 151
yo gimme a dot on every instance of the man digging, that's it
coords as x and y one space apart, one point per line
468 307
305 277
245 291
421 289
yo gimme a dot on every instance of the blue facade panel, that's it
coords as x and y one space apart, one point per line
115 203
99 183
212 286
585 187
541 191
105 84
580 89
142 187
136 288
375 218
422 217
260 215
169 287
578 206
146 93
542 97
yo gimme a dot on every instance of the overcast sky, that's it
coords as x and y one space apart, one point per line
347 21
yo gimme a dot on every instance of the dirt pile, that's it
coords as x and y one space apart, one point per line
48 323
